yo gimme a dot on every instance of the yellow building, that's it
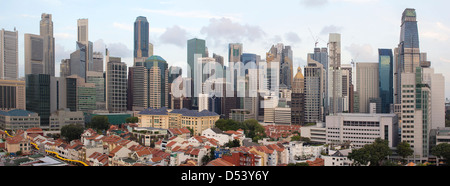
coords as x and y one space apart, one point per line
165 119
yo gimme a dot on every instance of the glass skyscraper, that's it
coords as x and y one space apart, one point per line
194 46
141 37
386 81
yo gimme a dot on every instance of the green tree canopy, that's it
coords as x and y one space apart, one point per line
132 119
99 123
373 153
404 149
72 132
443 151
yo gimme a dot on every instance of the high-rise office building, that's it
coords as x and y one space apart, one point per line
83 42
46 31
116 84
321 55
298 99
38 96
196 48
97 63
283 55
334 76
97 79
34 54
12 94
158 77
413 95
314 91
78 61
347 87
367 84
234 52
40 49
386 79
141 38
9 54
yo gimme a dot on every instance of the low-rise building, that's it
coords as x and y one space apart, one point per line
361 129
19 120
64 117
164 118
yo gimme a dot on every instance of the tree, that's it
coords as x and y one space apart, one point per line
404 150
373 153
442 151
298 164
132 119
72 132
99 123
254 130
234 143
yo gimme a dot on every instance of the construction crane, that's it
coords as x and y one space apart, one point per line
316 39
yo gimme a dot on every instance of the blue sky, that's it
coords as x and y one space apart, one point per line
365 26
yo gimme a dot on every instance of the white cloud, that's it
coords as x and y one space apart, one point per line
190 14
225 30
174 35
362 52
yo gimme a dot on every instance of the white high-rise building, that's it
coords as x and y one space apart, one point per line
9 54
334 74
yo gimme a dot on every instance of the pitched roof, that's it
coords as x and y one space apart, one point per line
150 111
219 162
16 112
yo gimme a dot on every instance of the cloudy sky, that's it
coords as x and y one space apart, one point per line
365 26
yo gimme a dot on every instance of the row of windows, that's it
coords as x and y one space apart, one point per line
362 123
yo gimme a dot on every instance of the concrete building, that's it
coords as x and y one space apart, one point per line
46 31
165 119
367 84
65 117
13 95
361 129
18 119
298 99
314 91
334 74
116 85
9 54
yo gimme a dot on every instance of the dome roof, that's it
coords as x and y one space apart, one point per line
155 58
299 74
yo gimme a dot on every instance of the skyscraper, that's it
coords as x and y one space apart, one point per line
314 91
38 96
334 75
116 84
386 79
34 54
283 55
196 48
46 31
158 77
141 37
234 52
367 84
83 40
298 99
9 54
40 49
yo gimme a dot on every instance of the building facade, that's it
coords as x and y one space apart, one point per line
362 129
386 79
116 85
9 54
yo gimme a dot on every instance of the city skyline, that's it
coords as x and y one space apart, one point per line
170 28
